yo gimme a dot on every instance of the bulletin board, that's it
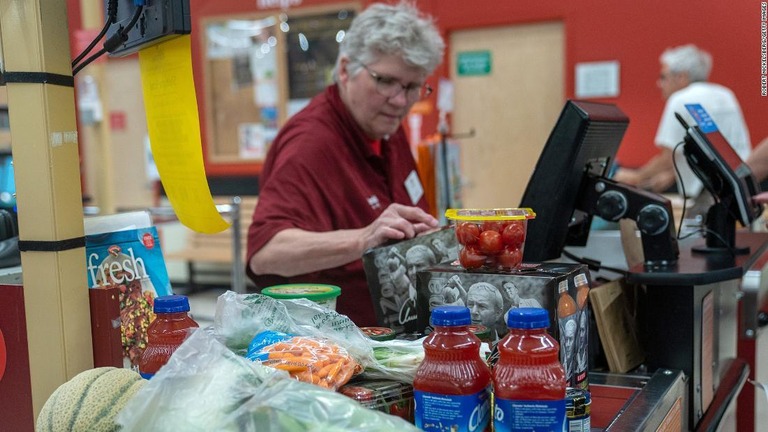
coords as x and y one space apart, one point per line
262 68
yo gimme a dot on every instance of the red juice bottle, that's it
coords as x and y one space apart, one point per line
452 386
166 333
528 380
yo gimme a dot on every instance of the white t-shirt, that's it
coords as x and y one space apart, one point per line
721 104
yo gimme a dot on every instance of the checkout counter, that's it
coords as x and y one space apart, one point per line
701 324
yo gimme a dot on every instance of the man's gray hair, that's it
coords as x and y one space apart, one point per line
689 59
489 288
383 29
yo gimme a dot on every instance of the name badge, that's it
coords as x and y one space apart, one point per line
414 187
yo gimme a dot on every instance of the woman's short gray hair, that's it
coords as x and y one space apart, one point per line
689 59
399 29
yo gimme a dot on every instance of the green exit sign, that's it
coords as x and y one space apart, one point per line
474 63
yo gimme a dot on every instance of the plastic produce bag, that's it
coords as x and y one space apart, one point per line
207 387
309 359
239 317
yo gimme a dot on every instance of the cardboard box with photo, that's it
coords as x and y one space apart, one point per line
490 295
391 274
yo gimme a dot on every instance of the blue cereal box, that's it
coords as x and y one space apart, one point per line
132 261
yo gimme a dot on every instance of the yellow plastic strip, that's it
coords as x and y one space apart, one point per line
174 132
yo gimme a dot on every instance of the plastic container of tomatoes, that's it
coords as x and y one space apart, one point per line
491 239
391 397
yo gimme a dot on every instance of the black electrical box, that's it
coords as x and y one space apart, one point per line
158 21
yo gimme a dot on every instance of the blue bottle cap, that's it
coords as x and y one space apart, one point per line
527 318
450 316
171 303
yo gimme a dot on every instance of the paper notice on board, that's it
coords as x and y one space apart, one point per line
174 132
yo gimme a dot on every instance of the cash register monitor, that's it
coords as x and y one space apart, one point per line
724 174
584 141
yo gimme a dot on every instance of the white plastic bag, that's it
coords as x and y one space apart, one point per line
206 387
239 317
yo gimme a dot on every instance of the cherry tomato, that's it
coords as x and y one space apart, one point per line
513 235
510 258
490 242
490 225
467 233
401 409
504 224
470 258
491 262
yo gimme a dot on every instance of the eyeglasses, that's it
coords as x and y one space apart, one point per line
390 87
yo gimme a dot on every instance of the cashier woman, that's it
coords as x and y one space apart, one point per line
340 177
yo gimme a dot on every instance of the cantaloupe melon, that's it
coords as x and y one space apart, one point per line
89 401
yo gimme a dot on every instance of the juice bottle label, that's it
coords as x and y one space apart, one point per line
529 415
449 413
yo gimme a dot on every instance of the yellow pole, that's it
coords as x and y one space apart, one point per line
41 104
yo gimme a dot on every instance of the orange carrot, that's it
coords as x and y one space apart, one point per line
344 376
284 354
289 368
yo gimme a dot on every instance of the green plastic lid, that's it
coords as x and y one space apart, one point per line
314 292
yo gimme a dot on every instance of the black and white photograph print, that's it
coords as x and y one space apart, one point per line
391 271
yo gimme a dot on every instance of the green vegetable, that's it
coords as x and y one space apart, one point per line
397 359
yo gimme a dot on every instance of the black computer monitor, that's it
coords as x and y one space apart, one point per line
585 139
570 185
725 175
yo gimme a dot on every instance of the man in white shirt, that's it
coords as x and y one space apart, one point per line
683 80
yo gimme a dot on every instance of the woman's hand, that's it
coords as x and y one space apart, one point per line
761 198
397 222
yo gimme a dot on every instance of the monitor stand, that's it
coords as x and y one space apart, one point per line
720 233
613 201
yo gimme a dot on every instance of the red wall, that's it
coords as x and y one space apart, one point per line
632 32
635 33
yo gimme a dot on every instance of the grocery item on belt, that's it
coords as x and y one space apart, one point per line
307 359
378 333
491 239
577 409
389 396
324 295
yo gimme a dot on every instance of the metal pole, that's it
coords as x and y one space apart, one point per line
238 266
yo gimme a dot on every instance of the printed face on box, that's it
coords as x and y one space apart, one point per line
515 300
485 304
419 258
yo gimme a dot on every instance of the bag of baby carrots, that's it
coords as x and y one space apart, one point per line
309 359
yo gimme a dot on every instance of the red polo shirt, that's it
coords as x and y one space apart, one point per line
321 174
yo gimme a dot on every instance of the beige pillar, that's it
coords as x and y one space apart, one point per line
44 143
